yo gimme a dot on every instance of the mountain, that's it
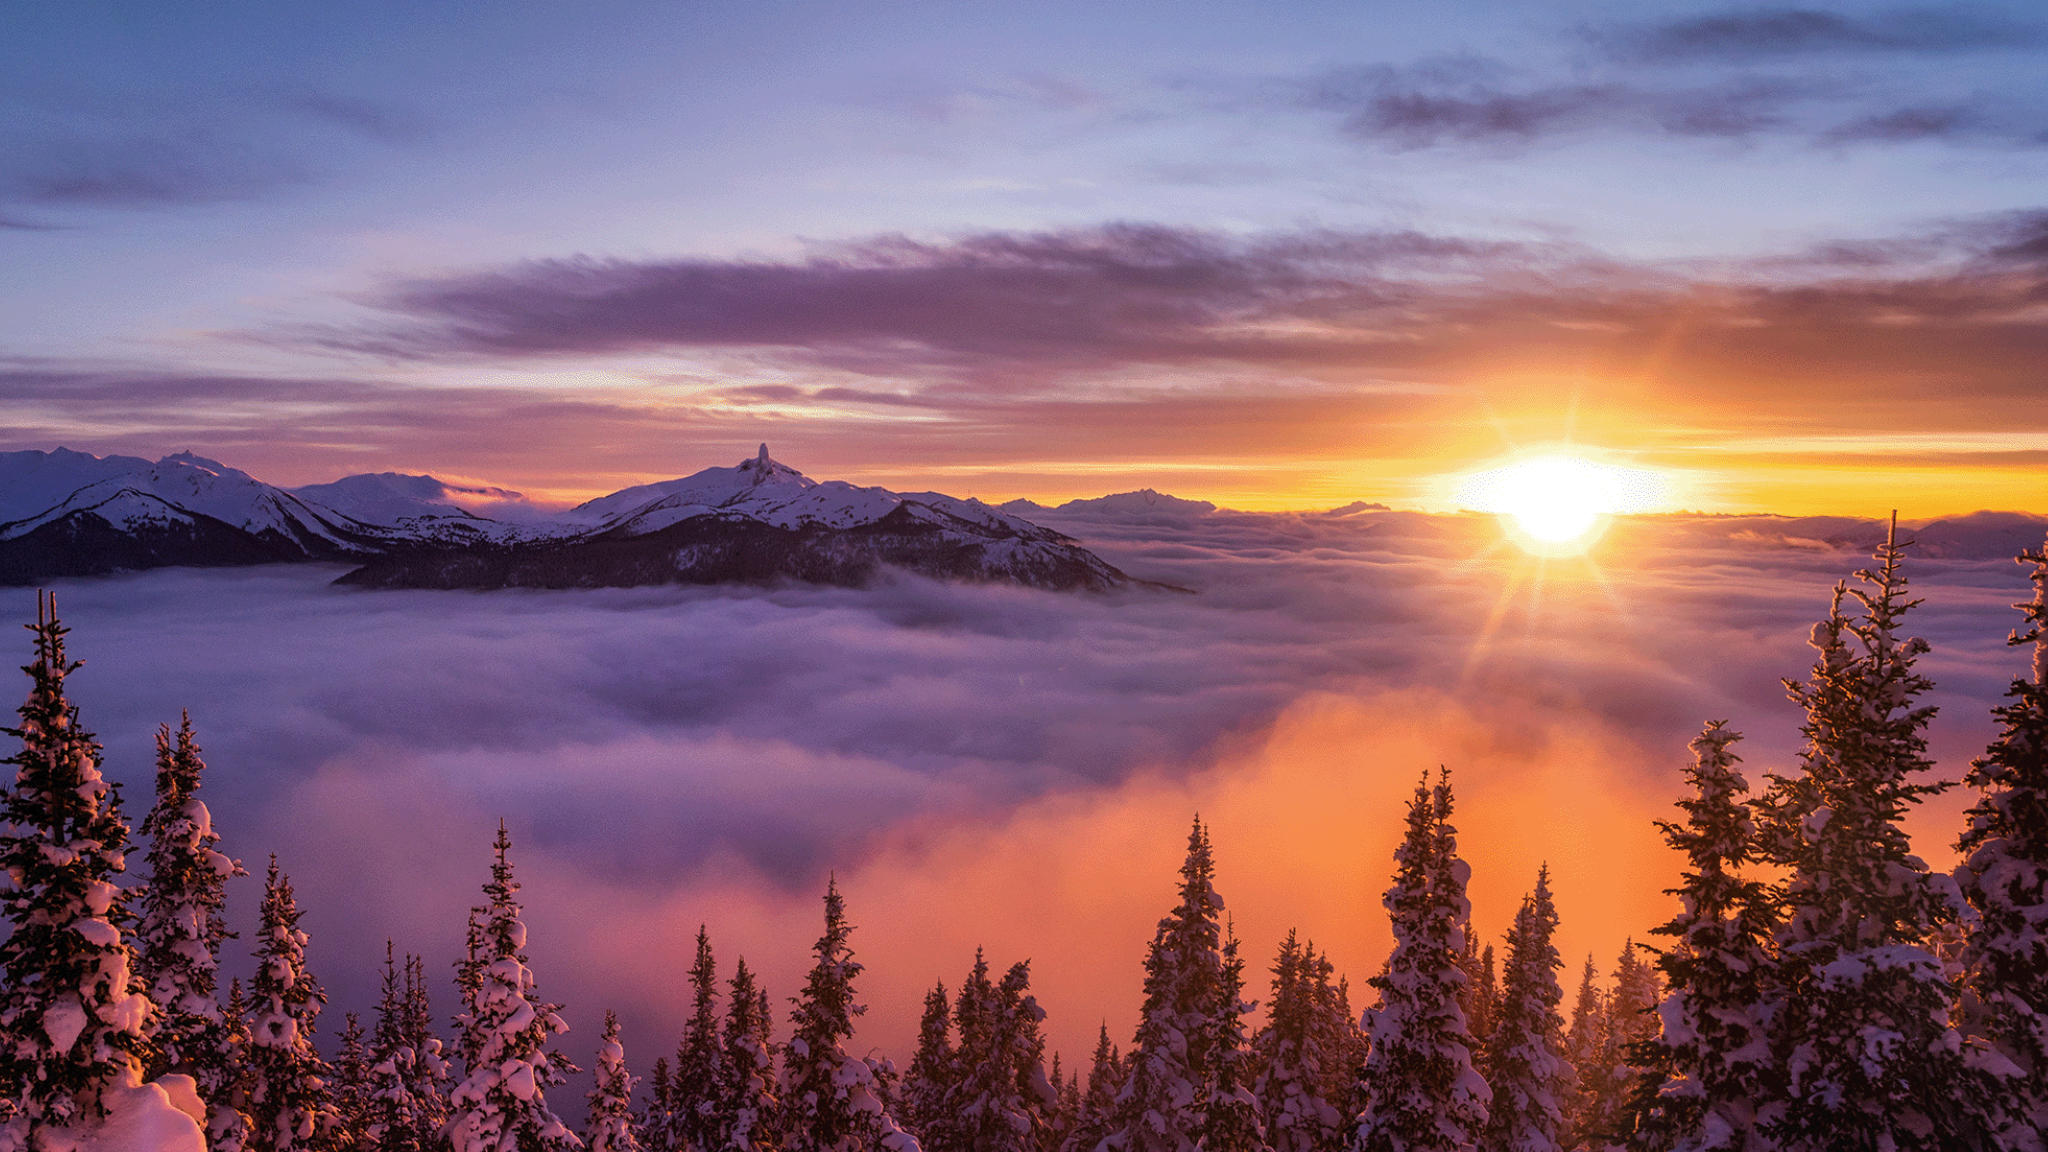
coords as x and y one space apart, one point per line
67 513
757 522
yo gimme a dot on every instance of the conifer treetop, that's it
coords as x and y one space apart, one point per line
72 1016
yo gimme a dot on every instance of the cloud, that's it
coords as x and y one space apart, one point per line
984 765
1475 103
128 150
138 171
1012 313
1770 33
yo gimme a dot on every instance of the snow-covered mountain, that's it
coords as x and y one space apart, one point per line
67 513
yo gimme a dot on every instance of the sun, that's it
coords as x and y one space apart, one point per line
1557 500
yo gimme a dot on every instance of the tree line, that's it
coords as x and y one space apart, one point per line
1820 987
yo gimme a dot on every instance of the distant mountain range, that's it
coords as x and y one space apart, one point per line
66 513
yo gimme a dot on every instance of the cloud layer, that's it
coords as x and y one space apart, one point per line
988 765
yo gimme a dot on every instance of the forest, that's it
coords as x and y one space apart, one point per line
1818 986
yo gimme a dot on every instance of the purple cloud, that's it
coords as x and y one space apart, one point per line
1766 33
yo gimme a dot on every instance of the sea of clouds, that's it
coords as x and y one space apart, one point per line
985 766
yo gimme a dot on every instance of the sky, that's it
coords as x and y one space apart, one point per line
1281 256
1284 254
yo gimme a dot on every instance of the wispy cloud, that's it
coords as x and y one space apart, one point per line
1777 32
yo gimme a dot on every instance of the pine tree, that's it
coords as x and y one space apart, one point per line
610 1124
1710 1064
1420 1090
73 1020
2004 875
227 1117
352 1090
1232 1120
1172 1073
1610 1075
1341 1033
933 1072
1292 1059
830 1100
1529 1076
694 1086
408 1098
1481 991
749 1112
181 930
656 1118
502 1105
1096 1120
1871 1057
1584 1038
289 1101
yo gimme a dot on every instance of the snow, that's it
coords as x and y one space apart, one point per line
63 1021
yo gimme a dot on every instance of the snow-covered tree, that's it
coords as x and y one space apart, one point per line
352 1089
1528 1073
227 1117
1710 1063
180 931
609 1127
934 1069
1584 1037
1864 1033
2004 875
832 1101
1096 1119
749 1112
1419 1087
1292 1057
654 1119
502 1104
73 1018
694 1084
1482 994
289 1098
408 1093
1174 1074
1000 1095
1611 1077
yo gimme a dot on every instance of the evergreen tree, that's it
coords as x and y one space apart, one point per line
352 1090
1529 1075
181 929
831 1100
1096 1119
933 1072
2004 875
1482 989
1232 1120
609 1127
1292 1058
749 1112
502 1105
1343 1033
1000 1095
408 1100
1584 1038
1710 1065
73 1018
1420 1090
1175 1072
694 1086
227 1116
656 1119
1609 1076
289 1102
1860 909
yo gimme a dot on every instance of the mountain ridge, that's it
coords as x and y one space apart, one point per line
74 514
